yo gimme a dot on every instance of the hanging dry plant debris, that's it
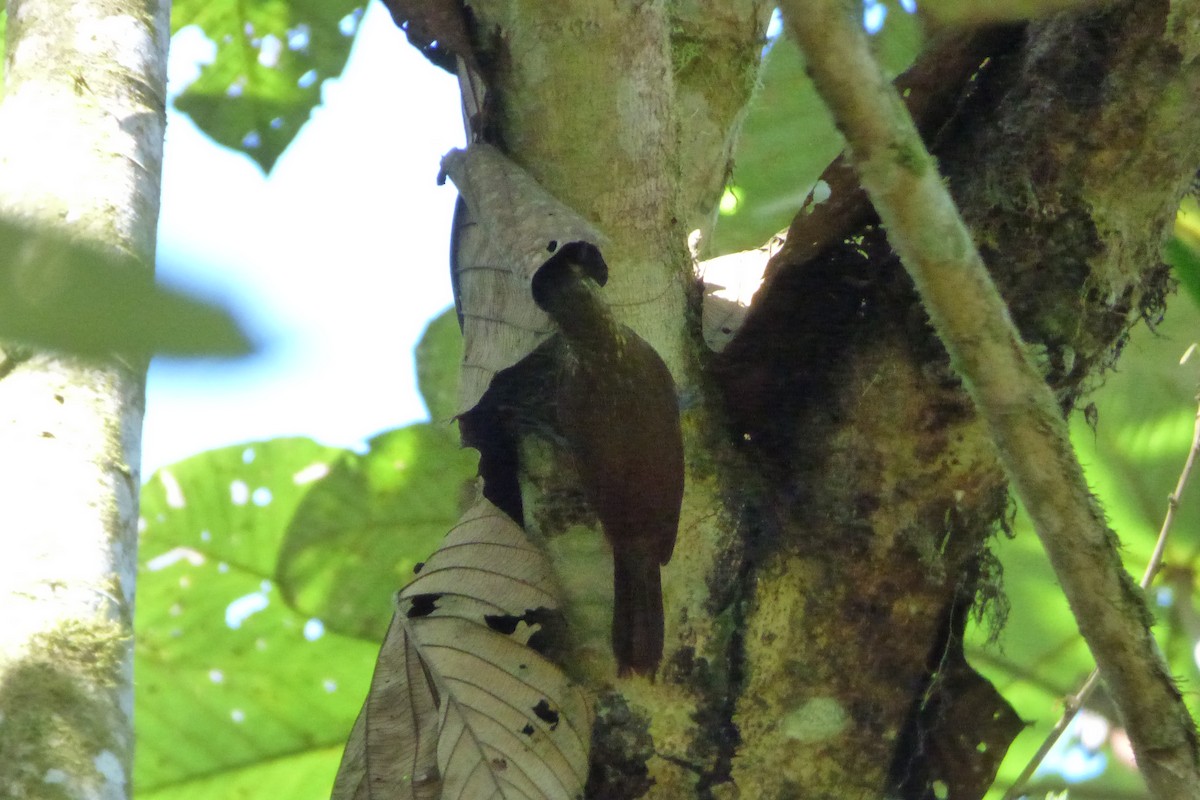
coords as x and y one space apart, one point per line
462 704
514 227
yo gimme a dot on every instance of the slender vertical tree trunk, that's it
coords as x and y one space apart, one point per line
628 113
81 130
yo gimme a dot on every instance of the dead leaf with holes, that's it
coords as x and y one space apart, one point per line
463 703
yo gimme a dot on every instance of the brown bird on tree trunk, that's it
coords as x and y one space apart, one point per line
619 413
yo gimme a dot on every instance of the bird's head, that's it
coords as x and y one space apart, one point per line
568 283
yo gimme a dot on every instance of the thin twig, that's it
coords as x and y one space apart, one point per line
1070 708
1022 415
1076 701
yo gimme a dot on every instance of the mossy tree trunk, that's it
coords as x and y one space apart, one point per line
81 131
841 487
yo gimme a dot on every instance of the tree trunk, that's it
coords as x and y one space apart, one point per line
841 488
81 129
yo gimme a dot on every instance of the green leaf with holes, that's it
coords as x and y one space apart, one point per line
358 534
234 688
271 59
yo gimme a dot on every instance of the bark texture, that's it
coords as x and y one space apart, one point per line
841 490
628 112
1022 415
1058 188
81 127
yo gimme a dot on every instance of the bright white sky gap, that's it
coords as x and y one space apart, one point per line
337 260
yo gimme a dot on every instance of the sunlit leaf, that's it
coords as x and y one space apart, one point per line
360 532
1183 254
63 295
271 60
232 685
303 776
788 140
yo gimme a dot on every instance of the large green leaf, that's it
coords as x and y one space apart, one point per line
304 776
1183 249
982 12
1186 261
789 139
237 694
439 359
359 533
272 56
60 294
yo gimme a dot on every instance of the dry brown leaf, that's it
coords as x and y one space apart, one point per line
438 28
461 706
488 559
513 725
392 751
513 227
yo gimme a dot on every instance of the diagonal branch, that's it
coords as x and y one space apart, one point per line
1025 421
1075 702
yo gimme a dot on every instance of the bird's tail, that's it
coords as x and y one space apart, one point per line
637 624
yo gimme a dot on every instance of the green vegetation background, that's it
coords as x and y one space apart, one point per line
267 569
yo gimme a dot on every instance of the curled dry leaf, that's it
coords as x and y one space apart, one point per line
462 705
511 228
